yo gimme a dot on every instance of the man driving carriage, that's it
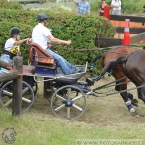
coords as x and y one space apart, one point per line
41 35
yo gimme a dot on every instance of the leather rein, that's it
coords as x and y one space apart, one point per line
117 52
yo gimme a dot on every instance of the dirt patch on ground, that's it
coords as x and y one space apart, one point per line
103 111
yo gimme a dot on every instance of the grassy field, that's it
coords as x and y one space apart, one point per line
104 118
59 132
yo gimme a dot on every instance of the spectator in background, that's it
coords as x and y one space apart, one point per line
101 10
116 7
83 7
143 15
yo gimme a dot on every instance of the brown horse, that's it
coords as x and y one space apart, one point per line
108 59
133 67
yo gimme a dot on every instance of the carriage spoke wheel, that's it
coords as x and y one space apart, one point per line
68 102
6 96
30 80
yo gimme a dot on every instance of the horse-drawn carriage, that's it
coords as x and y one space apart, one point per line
64 92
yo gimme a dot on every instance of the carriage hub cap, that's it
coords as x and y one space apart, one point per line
68 103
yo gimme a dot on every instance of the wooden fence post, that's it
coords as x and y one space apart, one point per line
17 87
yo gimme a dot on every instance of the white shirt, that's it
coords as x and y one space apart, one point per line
39 35
116 3
9 46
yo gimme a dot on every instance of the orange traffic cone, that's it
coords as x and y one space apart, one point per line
126 39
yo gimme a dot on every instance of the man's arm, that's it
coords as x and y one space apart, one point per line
88 8
89 11
21 41
112 6
58 41
76 1
116 6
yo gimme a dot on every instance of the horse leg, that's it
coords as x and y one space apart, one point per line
129 105
134 102
141 94
125 96
126 99
130 96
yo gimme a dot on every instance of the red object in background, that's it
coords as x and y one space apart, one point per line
107 12
127 80
126 39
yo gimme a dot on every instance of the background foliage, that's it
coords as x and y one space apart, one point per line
82 30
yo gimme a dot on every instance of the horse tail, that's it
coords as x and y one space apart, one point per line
93 62
119 60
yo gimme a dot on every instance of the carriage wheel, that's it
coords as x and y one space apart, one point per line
6 96
68 102
30 80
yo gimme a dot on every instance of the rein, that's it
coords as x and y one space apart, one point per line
109 84
125 90
117 52
108 94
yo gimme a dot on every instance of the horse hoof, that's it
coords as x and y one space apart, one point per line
134 102
134 113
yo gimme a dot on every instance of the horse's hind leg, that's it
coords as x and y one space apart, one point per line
141 93
128 104
126 100
134 102
129 95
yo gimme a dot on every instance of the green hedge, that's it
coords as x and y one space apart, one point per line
82 30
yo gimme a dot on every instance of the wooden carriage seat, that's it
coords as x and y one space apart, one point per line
44 58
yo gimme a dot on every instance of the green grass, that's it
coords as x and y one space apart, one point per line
59 132
101 120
